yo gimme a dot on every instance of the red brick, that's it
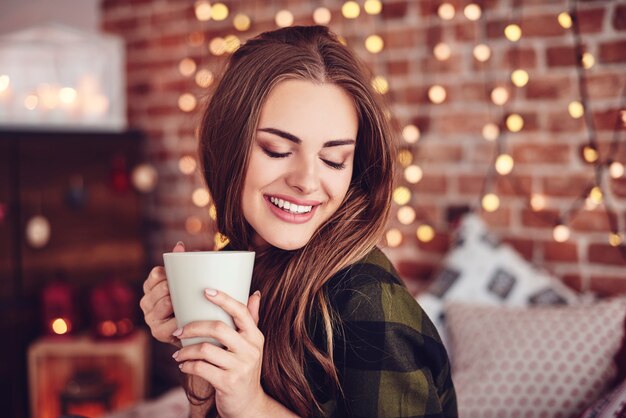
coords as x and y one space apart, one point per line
611 52
514 185
541 26
470 91
561 56
466 31
431 183
395 10
525 247
531 122
398 67
170 17
433 65
607 119
402 38
618 187
560 251
499 218
544 219
415 95
570 185
471 184
414 270
549 87
603 85
591 221
619 17
460 122
608 285
606 254
541 154
590 20
574 281
439 244
495 28
519 58
563 122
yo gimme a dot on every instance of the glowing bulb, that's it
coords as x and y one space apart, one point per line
284 18
204 78
350 10
513 32
193 225
401 195
504 164
187 67
31 101
213 212
446 11
425 233
590 154
380 84
437 94
187 164
561 233
406 215
491 132
217 46
373 7
565 20
615 239
231 43
405 157
482 52
576 109
519 78
219 11
490 202
616 169
38 231
203 10
145 177
322 16
413 174
187 102
514 122
442 51
4 82
590 204
241 22
411 134
200 197
472 11
67 95
60 326
588 60
394 237
537 202
374 44
596 194
499 95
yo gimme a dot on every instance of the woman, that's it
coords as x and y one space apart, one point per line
296 152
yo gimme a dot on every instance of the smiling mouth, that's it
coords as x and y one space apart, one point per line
290 207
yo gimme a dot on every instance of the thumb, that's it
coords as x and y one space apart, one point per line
179 247
254 303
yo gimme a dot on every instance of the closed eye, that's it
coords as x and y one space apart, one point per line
336 166
272 154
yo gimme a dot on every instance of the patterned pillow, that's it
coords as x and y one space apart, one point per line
481 269
545 361
611 405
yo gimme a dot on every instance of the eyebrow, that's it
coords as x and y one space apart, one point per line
296 140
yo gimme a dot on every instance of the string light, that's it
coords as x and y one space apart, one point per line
203 10
565 20
374 44
616 169
380 84
406 215
351 10
437 94
615 239
590 154
187 164
322 16
394 237
514 122
241 22
200 197
588 60
231 43
537 202
513 32
413 174
519 78
425 233
442 51
67 95
411 134
193 225
490 202
561 233
373 7
499 95
401 195
144 177
482 52
60 326
405 157
491 131
472 11
446 11
187 102
504 164
576 109
596 195
590 204
284 18
217 46
187 67
204 78
219 11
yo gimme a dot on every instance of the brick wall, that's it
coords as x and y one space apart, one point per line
451 151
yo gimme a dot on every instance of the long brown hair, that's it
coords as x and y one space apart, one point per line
292 282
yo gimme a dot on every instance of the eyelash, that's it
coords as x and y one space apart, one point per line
336 166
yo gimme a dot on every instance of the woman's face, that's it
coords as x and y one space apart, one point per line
300 163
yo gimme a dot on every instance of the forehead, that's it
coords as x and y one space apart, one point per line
305 109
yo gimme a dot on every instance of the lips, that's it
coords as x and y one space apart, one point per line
290 217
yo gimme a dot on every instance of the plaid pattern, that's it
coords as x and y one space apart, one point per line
389 356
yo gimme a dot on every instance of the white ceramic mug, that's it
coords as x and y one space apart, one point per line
190 273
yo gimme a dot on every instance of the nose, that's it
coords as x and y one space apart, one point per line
303 176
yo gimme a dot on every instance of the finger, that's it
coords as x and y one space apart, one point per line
207 352
149 300
157 274
162 331
254 303
163 309
218 330
179 247
237 310
212 374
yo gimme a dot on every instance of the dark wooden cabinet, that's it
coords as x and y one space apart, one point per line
97 232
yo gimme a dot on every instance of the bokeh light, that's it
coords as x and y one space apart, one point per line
615 239
590 154
499 95
520 77
204 78
187 164
193 225
241 22
491 131
514 122
513 32
437 94
538 202
217 46
219 11
425 233
565 20
284 18
380 84
596 194
187 67
482 52
187 102
588 60
231 43
561 233
322 16
411 134
200 197
446 11
373 7
406 215
442 51
374 44
490 202
203 10
401 195
393 237
472 11
351 10
616 169
576 109
413 174
405 157
504 164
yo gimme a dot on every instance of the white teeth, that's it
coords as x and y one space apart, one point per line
290 207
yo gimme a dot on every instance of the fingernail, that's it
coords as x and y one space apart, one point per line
210 292
178 332
258 293
175 355
181 244
180 366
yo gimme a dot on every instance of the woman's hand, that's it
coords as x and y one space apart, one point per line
156 304
234 371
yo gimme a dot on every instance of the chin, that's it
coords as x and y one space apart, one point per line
287 244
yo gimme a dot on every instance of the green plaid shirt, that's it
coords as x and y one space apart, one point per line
389 356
